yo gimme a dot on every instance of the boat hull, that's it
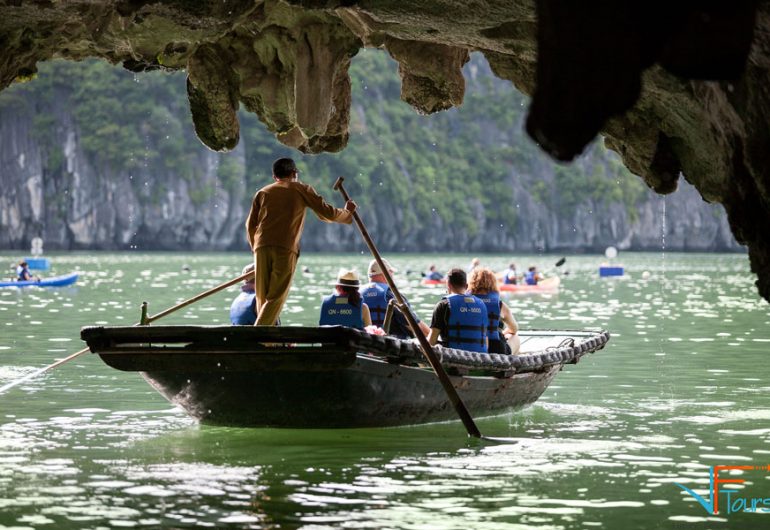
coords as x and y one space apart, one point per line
54 281
329 376
368 393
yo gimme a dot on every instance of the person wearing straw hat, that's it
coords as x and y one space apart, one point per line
377 294
344 307
274 228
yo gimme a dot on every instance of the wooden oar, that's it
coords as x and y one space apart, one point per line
145 320
427 349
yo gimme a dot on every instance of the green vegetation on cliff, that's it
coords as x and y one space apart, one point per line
461 170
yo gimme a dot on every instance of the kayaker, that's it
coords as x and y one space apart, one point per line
459 319
510 276
23 274
274 228
532 276
483 285
243 310
475 262
433 274
344 307
377 294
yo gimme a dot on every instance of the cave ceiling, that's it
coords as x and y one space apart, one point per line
678 89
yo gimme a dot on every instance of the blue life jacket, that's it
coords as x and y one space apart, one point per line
467 326
374 296
243 310
507 277
531 278
492 301
336 310
434 275
20 273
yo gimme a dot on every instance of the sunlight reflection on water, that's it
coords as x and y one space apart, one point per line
681 386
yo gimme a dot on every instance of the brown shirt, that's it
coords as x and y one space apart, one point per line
277 214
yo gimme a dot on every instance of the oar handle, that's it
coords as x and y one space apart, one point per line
194 299
339 187
427 349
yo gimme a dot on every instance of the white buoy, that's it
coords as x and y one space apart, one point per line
610 269
646 275
37 246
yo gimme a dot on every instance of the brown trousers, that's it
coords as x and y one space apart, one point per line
274 271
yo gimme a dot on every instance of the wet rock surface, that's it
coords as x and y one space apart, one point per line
677 88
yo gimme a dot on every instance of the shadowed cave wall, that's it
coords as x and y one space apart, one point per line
678 89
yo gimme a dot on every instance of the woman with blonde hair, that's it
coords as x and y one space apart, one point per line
483 284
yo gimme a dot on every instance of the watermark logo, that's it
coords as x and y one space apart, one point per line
735 502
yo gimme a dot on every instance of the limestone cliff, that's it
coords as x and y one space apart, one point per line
60 180
55 191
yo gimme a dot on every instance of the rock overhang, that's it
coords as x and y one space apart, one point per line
677 89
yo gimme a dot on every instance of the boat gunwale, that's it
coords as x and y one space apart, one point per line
331 340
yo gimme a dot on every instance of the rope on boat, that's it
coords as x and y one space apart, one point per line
569 351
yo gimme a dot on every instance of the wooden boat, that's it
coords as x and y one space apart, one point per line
54 281
329 377
547 286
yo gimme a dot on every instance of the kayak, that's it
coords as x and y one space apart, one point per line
54 281
548 285
426 281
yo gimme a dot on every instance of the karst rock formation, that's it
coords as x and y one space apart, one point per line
676 88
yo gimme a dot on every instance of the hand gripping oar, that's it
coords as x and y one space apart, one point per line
458 404
145 320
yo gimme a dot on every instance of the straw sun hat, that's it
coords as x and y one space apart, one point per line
348 278
374 267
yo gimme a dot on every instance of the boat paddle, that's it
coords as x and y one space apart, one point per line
427 349
145 320
555 266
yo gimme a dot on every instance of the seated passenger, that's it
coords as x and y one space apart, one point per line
243 310
23 274
510 276
377 294
483 285
433 274
459 319
344 307
532 276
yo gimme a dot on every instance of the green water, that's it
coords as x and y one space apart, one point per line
683 385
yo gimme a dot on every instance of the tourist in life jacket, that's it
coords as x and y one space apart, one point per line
483 285
23 274
377 294
532 276
344 307
510 276
433 274
459 319
243 310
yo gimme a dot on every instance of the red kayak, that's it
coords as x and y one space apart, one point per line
426 281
